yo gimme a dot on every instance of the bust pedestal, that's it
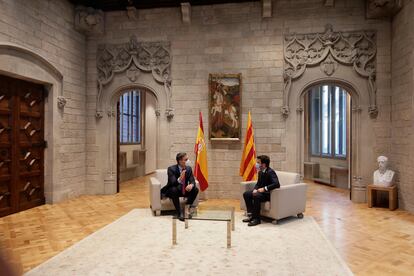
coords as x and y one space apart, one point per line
392 196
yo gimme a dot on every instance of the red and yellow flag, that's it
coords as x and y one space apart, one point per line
248 162
200 150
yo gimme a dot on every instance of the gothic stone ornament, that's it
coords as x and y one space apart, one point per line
132 58
61 102
357 49
111 113
133 73
382 8
132 13
329 66
89 20
169 113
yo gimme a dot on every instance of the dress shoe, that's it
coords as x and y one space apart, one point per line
181 218
248 219
192 211
254 222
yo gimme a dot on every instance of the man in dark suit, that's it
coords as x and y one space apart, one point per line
266 182
181 182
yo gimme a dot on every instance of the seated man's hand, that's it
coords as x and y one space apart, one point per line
182 175
254 191
189 187
261 190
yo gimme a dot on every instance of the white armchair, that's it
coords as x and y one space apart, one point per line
155 184
288 200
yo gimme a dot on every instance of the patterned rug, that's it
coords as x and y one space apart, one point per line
140 244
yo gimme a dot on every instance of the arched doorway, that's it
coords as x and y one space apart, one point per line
24 64
136 134
115 75
327 143
313 58
361 127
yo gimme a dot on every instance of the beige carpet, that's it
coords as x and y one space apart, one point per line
140 244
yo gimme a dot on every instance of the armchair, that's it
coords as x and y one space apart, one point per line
156 203
288 200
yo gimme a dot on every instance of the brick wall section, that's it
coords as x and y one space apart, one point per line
402 103
233 38
47 28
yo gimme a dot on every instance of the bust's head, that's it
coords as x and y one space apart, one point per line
382 163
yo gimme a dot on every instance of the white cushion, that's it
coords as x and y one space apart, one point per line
162 176
287 178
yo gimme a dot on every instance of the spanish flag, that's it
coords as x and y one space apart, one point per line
200 150
248 162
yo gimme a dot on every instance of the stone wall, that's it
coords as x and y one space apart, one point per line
46 27
230 38
402 103
233 38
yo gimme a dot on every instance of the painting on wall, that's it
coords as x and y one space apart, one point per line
224 106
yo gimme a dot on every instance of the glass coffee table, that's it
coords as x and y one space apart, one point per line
211 213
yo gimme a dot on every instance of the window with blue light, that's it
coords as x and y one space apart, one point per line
130 117
328 121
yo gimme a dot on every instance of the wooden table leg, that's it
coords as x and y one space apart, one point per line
369 197
174 231
232 220
392 198
186 212
228 234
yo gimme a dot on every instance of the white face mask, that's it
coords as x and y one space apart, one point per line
257 166
188 163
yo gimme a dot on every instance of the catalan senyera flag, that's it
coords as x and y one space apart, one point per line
248 161
200 150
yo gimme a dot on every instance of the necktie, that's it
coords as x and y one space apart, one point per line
183 185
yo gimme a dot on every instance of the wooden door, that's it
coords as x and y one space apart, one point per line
21 145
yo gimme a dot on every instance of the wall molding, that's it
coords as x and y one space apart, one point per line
132 59
328 50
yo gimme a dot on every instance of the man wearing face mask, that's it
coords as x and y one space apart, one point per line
266 182
181 182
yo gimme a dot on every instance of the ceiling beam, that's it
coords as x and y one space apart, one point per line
120 5
186 12
266 8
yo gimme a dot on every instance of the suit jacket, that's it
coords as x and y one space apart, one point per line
174 173
268 180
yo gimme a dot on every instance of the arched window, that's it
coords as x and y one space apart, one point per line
328 121
130 108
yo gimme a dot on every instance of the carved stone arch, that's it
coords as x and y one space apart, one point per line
113 99
111 132
21 52
133 59
22 63
362 126
348 86
106 126
39 59
329 50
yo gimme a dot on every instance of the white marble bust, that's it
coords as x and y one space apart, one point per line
383 176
